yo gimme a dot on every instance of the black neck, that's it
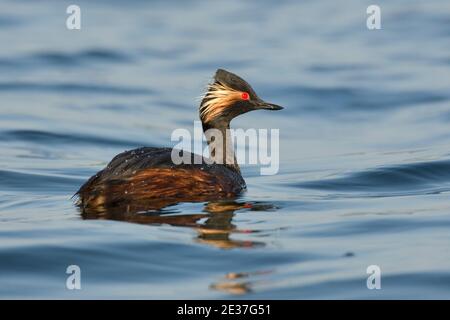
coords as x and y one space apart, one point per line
225 156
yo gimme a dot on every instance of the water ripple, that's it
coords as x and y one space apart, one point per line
33 182
424 176
89 55
44 137
334 100
67 88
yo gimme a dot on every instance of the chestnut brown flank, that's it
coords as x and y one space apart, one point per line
172 184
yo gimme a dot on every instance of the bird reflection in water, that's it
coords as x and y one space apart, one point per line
214 227
232 283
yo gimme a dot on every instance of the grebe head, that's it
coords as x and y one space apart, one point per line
227 97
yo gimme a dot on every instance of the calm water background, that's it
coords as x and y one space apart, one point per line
365 148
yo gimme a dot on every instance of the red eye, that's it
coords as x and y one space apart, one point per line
245 96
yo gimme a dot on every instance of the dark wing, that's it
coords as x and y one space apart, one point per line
128 163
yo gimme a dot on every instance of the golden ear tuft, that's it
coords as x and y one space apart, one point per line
217 97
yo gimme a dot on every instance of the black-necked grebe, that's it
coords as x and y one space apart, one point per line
147 178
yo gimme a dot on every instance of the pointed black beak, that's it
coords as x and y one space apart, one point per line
268 106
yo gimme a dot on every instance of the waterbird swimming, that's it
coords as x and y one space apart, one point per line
147 178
